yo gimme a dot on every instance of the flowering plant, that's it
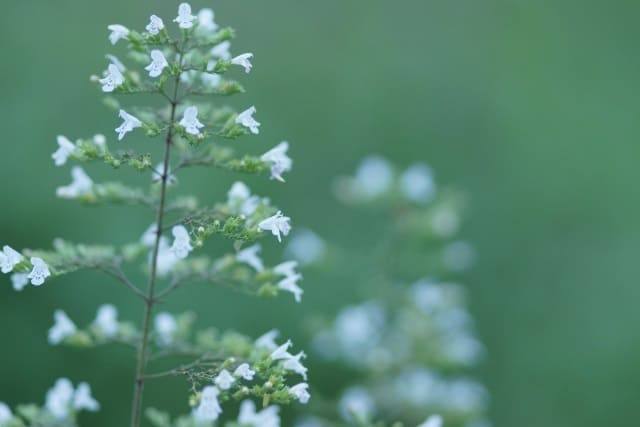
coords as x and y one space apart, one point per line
185 65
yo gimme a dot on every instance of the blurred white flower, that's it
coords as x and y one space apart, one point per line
432 421
277 224
290 284
246 119
268 340
356 404
62 328
181 244
82 399
206 21
65 149
5 413
59 398
158 63
244 371
278 160
287 268
166 258
185 18
190 121
155 25
113 79
243 61
117 32
107 320
374 176
305 246
445 221
209 408
19 280
156 175
80 185
149 237
417 183
165 327
267 417
224 380
129 123
250 257
39 272
9 258
221 51
300 392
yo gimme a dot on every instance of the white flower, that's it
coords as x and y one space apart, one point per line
221 51
417 183
107 320
181 245
281 352
299 391
287 268
268 340
165 326
158 63
82 399
40 271
129 123
243 61
58 400
306 246
246 119
224 380
185 18
19 280
210 80
290 284
277 224
9 258
238 192
99 139
166 258
278 159
248 416
149 237
244 371
190 121
155 25
156 175
117 32
432 421
356 402
293 364
113 79
374 176
65 149
62 328
206 20
81 184
250 257
115 61
241 201
209 409
5 413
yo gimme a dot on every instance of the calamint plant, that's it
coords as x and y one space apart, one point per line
404 352
186 64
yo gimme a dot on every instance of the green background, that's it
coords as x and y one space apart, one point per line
530 106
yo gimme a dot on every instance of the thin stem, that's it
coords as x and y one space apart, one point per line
150 300
117 273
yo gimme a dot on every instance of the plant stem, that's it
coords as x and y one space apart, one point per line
150 299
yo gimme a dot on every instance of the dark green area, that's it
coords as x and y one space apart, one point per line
530 106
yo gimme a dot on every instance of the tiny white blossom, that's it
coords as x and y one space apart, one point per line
129 123
9 258
107 320
115 61
356 402
287 268
210 80
209 408
268 340
117 32
65 149
306 246
244 371
82 399
224 380
239 191
149 237
250 257
417 183
374 176
181 244
206 20
59 398
290 284
113 79
281 352
40 271
241 201
81 184
99 139
190 121
299 391
158 63
432 421
166 258
62 328
277 224
246 119
156 175
165 326
155 25
185 18
294 364
19 280
268 417
278 159
243 61
221 51
5 413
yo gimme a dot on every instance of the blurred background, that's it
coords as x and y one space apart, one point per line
528 106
